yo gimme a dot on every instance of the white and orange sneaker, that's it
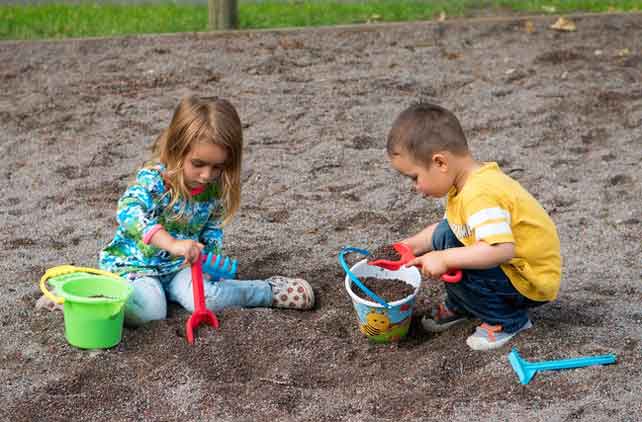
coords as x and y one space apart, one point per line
488 337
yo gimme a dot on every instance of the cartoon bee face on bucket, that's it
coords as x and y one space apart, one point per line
376 323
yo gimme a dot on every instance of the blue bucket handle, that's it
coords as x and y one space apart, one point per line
355 279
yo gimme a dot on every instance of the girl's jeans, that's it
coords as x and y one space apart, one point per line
148 302
484 294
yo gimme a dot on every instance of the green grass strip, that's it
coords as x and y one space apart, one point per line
60 21
88 20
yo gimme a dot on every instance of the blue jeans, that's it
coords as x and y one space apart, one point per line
484 294
148 302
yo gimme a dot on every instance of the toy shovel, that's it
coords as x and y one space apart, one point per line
201 313
452 276
526 370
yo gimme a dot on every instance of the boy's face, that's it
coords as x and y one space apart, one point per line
434 181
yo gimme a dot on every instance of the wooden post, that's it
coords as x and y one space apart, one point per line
223 14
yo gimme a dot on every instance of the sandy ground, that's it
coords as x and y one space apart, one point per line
560 112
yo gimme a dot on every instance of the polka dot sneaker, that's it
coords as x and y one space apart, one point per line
292 293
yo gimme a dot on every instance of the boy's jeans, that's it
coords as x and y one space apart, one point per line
148 302
485 294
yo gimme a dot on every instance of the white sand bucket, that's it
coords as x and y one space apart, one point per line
380 321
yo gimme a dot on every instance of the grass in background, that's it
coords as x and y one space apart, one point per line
84 20
275 13
88 20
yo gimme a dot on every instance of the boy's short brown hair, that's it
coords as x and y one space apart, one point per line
424 129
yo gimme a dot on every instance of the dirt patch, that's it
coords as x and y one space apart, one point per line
388 289
561 112
385 252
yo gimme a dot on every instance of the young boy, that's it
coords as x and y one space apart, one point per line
493 230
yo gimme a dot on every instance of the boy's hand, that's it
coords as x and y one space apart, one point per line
190 249
432 264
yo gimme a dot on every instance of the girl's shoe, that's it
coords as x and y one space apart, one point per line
292 293
488 337
441 319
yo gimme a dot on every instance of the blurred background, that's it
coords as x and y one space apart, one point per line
46 19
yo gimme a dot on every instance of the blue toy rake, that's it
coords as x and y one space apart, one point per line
222 268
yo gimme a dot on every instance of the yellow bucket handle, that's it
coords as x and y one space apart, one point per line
68 269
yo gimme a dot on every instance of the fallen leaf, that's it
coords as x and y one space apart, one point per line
451 55
529 27
564 24
374 18
288 44
442 16
623 52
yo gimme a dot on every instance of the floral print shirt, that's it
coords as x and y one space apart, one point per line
142 210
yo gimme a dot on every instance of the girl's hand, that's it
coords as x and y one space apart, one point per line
189 249
432 264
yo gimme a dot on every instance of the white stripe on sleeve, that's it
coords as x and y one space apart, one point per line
487 214
492 230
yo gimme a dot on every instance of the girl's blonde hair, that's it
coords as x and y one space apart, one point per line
212 120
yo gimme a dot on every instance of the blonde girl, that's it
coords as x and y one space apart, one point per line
176 210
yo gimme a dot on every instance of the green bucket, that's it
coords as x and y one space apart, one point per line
93 308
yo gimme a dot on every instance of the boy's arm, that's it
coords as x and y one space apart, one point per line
422 241
487 217
479 256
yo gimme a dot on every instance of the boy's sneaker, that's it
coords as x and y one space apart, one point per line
441 319
488 337
293 293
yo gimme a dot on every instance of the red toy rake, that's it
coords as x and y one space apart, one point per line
201 313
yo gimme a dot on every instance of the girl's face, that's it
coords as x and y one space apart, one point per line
203 164
434 181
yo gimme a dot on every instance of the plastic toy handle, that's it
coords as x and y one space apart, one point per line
574 362
68 269
355 279
452 276
198 289
201 314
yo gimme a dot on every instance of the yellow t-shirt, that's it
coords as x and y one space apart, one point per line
496 209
